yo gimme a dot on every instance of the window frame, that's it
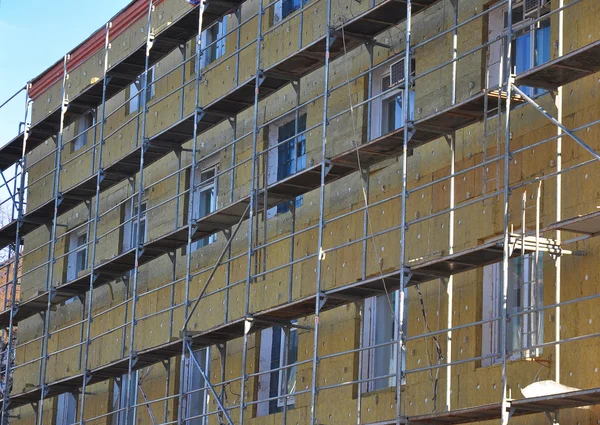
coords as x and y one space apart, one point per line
75 253
87 120
134 91
189 382
377 105
273 155
218 37
291 399
523 323
129 226
66 409
119 398
370 323
211 163
278 15
266 379
499 32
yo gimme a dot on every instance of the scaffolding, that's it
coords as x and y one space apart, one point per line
248 208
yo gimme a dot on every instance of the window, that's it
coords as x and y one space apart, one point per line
120 399
284 8
205 196
525 292
130 237
66 408
387 109
213 42
289 157
84 123
78 254
274 356
196 391
136 87
381 321
531 45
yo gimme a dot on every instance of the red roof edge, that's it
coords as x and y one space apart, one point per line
120 23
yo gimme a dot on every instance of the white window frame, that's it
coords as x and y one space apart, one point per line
523 324
273 154
75 251
136 87
208 37
264 379
66 409
497 29
377 309
278 11
198 398
84 123
377 105
129 229
280 384
119 398
209 164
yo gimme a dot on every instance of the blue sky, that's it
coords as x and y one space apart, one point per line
33 36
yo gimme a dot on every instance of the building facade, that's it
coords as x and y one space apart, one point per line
310 212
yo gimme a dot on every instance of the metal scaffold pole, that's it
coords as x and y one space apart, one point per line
508 78
558 260
258 79
450 282
93 241
408 125
319 299
20 193
130 412
190 223
52 246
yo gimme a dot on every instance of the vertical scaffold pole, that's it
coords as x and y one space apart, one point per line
450 283
52 247
321 254
503 310
93 240
15 279
407 133
131 411
190 218
558 262
253 208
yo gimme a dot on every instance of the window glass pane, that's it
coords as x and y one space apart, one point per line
384 358
197 399
525 292
274 364
65 409
142 228
82 252
389 115
205 201
523 53
542 43
151 90
292 358
542 47
134 100
291 155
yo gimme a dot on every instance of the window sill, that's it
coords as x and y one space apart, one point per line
512 360
383 391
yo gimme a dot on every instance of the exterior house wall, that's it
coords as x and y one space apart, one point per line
424 391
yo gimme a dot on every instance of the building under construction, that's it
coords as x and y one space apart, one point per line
308 212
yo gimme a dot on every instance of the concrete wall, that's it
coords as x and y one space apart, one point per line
340 328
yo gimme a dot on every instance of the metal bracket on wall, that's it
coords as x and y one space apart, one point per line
199 114
261 76
322 299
